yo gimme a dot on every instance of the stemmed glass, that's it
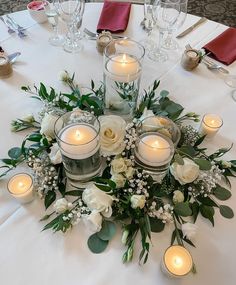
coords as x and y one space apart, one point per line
56 39
169 43
165 14
69 10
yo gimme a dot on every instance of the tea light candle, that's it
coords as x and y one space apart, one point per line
78 141
153 149
192 53
177 261
124 68
210 125
21 187
5 67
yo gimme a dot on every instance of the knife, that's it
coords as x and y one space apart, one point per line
190 29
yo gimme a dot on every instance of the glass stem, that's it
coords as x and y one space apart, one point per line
161 34
55 30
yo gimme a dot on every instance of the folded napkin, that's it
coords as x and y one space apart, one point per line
114 17
223 47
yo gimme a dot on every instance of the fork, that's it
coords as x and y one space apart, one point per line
212 65
93 35
14 23
20 33
9 29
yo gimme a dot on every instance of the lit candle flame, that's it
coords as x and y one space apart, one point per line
178 261
21 184
156 144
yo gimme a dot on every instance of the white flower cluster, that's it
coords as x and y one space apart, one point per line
131 136
206 181
164 213
139 185
190 134
45 175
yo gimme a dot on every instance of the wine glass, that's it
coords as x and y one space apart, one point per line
169 43
165 13
230 80
56 39
79 20
69 10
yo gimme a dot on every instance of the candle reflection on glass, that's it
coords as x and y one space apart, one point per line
21 187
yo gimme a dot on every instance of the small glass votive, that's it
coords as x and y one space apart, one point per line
21 187
177 261
162 125
210 125
122 73
77 134
153 153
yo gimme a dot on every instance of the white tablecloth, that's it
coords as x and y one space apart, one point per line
29 256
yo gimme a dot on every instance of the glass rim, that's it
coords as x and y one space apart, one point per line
17 174
191 258
171 145
73 124
212 127
126 39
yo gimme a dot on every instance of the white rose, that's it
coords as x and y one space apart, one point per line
189 230
185 173
130 172
118 165
47 125
138 201
61 205
112 135
98 200
55 154
178 197
94 221
119 179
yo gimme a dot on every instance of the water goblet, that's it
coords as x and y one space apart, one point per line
230 80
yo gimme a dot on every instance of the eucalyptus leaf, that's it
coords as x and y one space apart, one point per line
108 230
226 212
178 158
157 225
183 209
195 210
14 152
221 193
203 163
208 213
97 245
164 93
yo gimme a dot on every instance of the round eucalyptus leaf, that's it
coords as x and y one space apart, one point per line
221 193
226 212
108 230
183 209
95 244
14 152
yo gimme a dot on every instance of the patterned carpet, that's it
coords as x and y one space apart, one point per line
222 11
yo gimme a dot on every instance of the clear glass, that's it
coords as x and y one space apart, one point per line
122 73
78 22
77 134
69 11
162 125
210 125
56 39
165 14
230 80
169 43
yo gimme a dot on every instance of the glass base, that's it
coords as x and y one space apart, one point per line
158 55
74 47
56 40
148 43
233 94
170 44
230 80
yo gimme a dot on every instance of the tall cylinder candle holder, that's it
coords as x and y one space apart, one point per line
122 73
77 134
177 262
21 187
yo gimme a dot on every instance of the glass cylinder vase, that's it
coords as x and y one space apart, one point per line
122 73
77 134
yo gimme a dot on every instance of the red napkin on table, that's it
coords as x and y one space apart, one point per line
223 47
114 17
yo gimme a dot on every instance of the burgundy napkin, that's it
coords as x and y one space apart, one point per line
223 47
114 17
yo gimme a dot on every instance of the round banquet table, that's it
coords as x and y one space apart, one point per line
29 256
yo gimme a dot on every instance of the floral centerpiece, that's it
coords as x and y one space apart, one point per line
124 193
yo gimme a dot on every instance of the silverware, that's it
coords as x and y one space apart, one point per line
9 29
191 28
94 36
19 28
214 66
12 57
20 33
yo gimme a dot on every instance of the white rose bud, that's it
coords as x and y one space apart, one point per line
55 154
137 201
118 165
124 236
226 164
178 197
61 205
94 221
98 200
130 172
119 179
185 173
47 125
189 230
112 135
29 118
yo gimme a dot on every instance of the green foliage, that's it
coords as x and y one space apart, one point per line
108 230
222 193
183 209
208 213
226 212
157 225
97 245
